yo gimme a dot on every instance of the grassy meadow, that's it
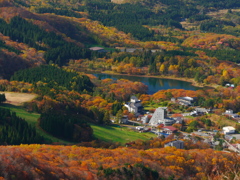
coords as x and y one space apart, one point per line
115 133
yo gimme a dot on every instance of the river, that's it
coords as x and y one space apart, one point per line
154 84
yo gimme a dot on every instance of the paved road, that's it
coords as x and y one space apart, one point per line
235 135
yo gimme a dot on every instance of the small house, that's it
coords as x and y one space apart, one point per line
124 119
228 130
229 111
179 120
230 114
230 85
178 144
143 118
173 99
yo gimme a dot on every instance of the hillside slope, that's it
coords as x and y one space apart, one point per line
72 162
49 32
142 23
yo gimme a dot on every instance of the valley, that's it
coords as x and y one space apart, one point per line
132 89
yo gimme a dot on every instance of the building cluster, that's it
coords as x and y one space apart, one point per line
159 117
161 123
122 49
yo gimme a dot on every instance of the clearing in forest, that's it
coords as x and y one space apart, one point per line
16 98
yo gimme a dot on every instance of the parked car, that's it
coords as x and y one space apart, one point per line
139 128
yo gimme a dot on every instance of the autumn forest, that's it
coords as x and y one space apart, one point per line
72 127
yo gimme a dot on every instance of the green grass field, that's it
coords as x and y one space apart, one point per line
111 133
115 133
155 105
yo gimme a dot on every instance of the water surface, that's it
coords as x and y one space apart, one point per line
154 84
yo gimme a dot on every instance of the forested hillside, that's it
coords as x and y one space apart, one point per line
16 131
53 78
46 32
71 162
49 32
49 47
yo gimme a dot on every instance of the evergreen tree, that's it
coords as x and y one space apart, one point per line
2 98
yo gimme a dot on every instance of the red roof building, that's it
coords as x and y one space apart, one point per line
169 129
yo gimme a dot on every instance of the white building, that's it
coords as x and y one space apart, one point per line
229 111
143 118
97 49
230 114
160 117
199 111
186 101
135 105
228 130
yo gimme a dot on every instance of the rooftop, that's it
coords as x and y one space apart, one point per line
96 48
229 128
171 128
